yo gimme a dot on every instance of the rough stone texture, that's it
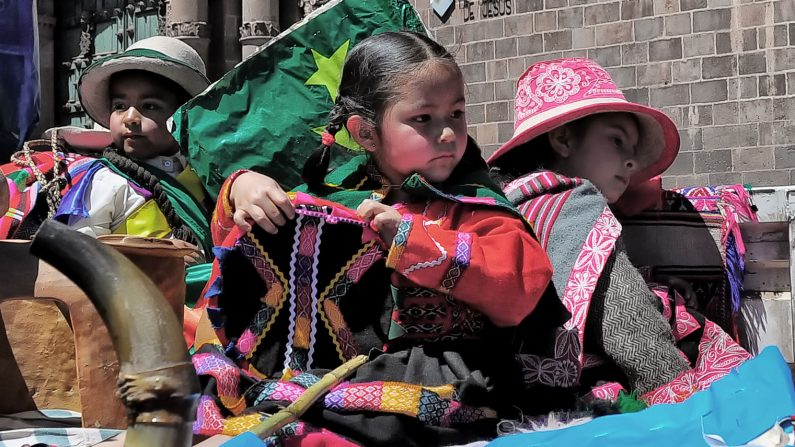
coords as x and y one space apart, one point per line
700 45
558 40
773 85
570 17
613 33
709 91
582 37
46 360
673 95
635 53
723 43
648 29
724 71
634 9
712 20
480 51
725 113
678 24
750 38
683 164
474 72
602 13
750 63
665 50
785 157
654 74
692 4
687 70
753 158
530 44
606 56
713 161
748 87
546 21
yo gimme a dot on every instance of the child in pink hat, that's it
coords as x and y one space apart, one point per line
578 146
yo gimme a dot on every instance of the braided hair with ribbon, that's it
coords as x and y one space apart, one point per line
372 75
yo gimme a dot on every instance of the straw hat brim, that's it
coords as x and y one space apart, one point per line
658 142
94 86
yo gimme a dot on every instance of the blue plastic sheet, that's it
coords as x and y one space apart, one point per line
739 407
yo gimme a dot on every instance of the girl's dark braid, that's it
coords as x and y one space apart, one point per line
146 179
317 164
373 74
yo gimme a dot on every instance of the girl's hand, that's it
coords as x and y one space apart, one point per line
383 218
258 198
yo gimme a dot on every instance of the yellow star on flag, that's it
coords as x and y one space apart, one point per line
329 70
328 74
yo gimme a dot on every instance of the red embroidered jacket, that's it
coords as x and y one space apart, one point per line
480 256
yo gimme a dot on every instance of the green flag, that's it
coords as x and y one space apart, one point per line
267 113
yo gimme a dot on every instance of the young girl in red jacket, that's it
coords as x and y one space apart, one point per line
460 269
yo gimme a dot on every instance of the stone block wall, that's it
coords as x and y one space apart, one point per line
724 70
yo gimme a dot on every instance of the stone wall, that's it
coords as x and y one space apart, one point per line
724 70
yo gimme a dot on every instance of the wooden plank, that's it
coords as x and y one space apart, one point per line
764 231
767 279
768 251
767 256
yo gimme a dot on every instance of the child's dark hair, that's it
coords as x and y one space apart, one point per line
531 156
537 154
371 79
146 179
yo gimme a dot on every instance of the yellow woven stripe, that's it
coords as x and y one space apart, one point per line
235 404
403 398
328 290
279 305
303 327
239 424
444 391
223 196
394 256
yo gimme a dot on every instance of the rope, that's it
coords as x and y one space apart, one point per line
51 188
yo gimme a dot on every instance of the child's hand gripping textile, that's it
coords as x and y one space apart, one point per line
307 299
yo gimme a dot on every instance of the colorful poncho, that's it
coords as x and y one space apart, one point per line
28 207
24 190
282 309
582 237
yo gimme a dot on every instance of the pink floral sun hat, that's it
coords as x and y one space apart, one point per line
552 93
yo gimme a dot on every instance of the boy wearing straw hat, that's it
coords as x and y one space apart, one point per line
578 146
142 186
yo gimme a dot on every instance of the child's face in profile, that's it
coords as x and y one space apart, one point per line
425 130
140 106
606 153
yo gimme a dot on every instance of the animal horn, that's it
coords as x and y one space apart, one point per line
157 382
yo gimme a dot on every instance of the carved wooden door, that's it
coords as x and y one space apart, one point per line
91 29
